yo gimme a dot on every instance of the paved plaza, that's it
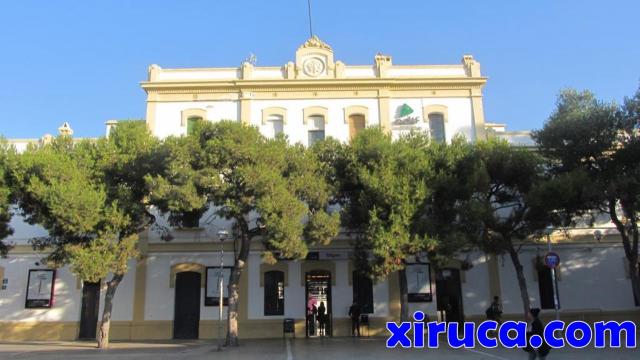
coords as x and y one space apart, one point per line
308 349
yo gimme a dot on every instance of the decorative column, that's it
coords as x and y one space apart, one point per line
383 110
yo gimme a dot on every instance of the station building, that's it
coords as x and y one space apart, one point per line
170 292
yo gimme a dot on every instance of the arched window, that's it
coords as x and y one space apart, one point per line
436 127
356 124
315 124
273 293
191 122
274 125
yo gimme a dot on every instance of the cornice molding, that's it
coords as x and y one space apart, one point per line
313 84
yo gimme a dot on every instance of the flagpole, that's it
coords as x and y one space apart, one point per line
310 26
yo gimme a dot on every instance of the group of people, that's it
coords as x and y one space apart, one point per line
535 326
317 314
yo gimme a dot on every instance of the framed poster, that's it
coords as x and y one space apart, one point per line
40 288
211 290
419 282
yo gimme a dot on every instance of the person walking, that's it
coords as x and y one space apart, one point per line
536 327
494 312
322 310
354 314
312 314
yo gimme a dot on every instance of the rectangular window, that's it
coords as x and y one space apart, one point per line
191 122
363 292
274 126
273 293
356 124
315 136
545 285
436 127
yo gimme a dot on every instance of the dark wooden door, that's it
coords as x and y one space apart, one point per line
449 295
89 310
187 306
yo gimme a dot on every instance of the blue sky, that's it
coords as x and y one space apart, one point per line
82 61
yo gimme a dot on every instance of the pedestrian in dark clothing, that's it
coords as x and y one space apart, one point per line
494 312
354 314
322 311
536 327
312 314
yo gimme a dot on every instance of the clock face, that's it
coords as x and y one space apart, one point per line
313 66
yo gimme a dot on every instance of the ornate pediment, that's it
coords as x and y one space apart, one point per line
314 59
315 42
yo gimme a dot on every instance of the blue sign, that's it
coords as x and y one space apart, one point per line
552 260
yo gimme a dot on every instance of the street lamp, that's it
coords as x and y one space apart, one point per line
222 235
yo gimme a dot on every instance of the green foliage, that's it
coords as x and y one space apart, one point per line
123 160
6 196
95 260
250 179
509 203
402 196
88 194
599 143
56 191
596 146
183 186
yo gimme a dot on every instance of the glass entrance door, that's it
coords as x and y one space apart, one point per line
318 303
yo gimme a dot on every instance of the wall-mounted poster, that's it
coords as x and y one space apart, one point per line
419 283
212 290
40 288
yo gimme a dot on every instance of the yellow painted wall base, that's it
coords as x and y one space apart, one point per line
252 329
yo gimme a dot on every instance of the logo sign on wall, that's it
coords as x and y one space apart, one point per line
40 287
404 116
552 260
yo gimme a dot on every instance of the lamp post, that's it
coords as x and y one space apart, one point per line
548 230
222 235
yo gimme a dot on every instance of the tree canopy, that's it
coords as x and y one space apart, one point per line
597 145
5 197
270 190
90 197
400 198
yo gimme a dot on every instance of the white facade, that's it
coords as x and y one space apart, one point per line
313 93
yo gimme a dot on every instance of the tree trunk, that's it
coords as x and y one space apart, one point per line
635 279
630 246
233 290
105 324
633 262
404 295
522 282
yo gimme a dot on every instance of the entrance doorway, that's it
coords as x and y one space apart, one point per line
186 321
89 310
449 295
317 294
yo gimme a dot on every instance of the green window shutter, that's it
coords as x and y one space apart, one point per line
191 122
